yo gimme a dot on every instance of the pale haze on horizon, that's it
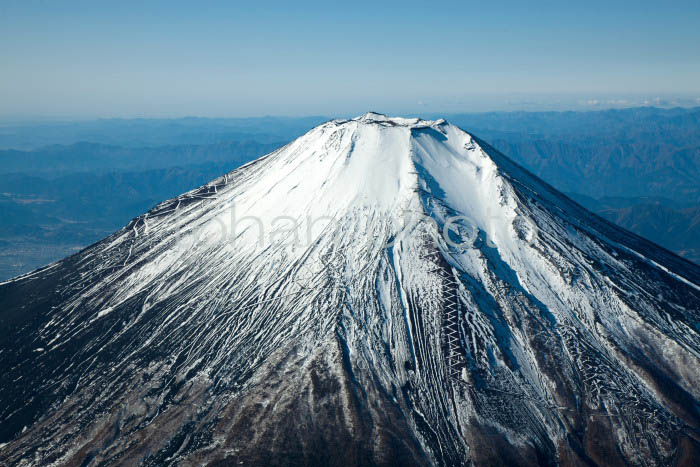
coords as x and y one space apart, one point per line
230 59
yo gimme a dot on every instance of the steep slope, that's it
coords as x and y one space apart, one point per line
379 291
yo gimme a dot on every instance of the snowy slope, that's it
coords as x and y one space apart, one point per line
390 289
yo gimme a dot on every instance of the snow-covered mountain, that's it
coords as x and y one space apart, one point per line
379 291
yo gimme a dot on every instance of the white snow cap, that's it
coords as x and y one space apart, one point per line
375 166
374 117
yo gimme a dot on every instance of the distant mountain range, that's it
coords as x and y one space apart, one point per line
639 168
140 132
81 158
624 153
670 224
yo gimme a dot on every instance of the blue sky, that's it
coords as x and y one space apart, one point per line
106 59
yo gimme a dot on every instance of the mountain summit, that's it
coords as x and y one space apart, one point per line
379 291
